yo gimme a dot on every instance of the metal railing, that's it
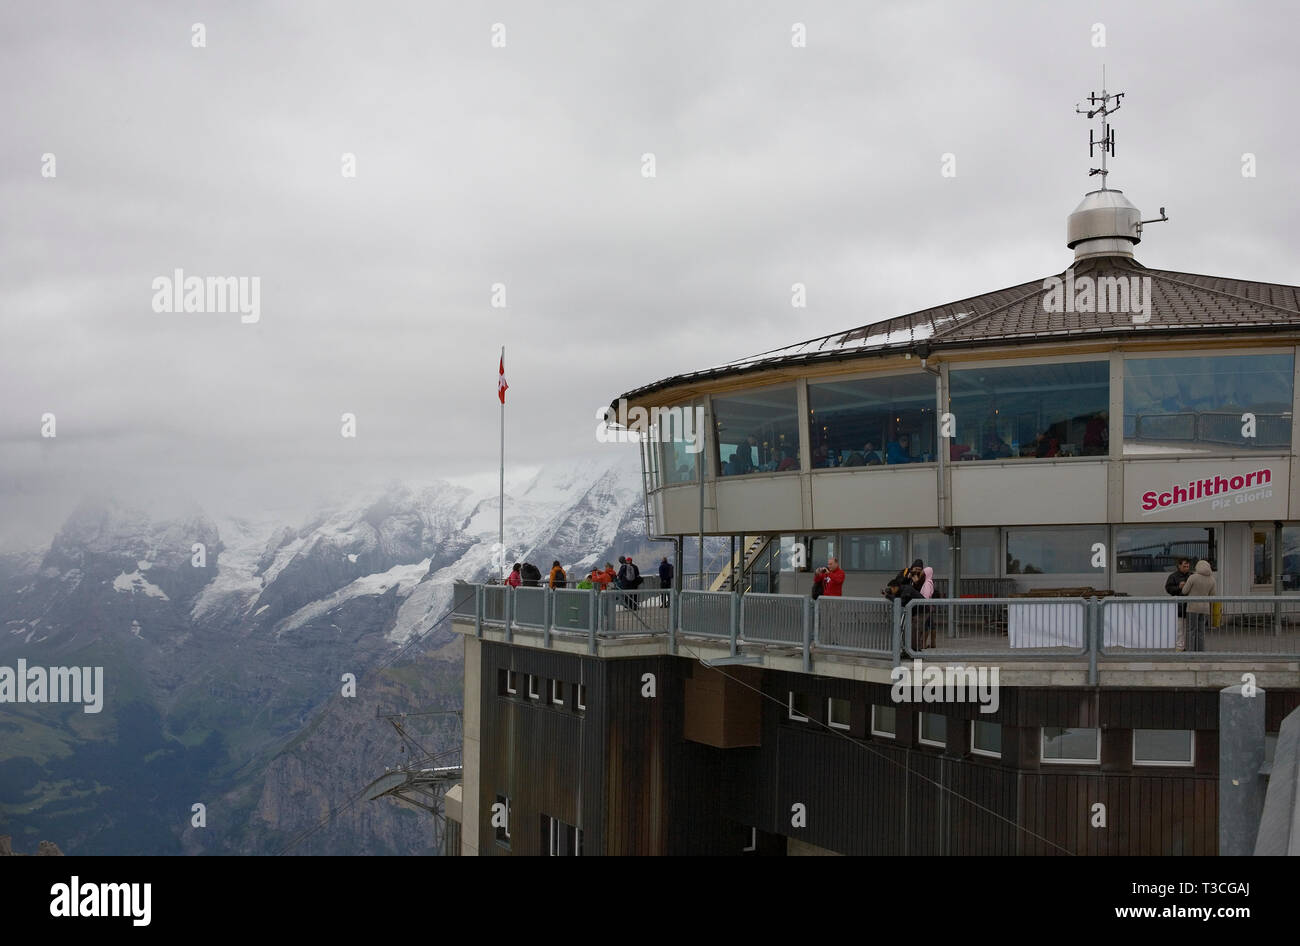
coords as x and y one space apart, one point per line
858 625
774 619
1072 630
988 627
1231 626
706 613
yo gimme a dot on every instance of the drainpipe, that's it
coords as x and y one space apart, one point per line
941 451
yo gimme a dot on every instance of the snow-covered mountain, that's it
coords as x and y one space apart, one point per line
223 636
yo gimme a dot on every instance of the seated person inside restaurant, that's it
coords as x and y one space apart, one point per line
867 456
788 460
742 461
995 448
1096 437
897 451
1045 445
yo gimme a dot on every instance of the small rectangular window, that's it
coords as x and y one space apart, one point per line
580 697
557 692
986 738
1079 746
512 683
1163 747
534 684
799 707
934 730
837 713
575 842
884 721
501 819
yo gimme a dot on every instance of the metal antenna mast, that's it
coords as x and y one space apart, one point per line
1102 106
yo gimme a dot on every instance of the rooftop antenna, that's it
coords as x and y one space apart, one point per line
1101 105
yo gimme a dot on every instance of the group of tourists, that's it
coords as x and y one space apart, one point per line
1193 617
626 578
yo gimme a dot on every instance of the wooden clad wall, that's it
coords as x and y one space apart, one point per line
623 772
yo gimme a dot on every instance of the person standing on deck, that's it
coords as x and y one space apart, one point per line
665 579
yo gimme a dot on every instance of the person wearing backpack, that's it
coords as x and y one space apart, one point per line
628 579
558 578
531 576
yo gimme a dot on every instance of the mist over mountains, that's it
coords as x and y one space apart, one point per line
224 639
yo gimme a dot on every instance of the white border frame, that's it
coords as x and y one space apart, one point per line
1191 745
881 732
512 683
920 729
790 709
533 692
987 753
830 717
1042 755
556 701
580 697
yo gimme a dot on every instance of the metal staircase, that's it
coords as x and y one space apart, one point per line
748 553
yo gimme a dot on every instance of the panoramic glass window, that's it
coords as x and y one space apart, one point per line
1027 412
872 421
757 432
678 464
1158 548
1195 404
979 552
933 548
1057 551
873 551
1291 558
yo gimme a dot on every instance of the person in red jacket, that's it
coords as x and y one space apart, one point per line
832 581
513 579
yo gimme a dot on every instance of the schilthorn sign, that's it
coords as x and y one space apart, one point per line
659 424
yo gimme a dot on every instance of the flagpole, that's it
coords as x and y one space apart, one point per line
501 496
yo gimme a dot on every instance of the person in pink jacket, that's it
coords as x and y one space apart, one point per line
513 579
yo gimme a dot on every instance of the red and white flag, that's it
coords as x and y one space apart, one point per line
501 378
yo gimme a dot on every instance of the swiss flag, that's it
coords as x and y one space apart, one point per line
501 378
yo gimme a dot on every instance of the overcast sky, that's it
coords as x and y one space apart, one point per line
523 165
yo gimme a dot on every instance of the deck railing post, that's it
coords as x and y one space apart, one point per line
735 621
1094 622
674 614
807 635
593 618
548 615
479 594
896 638
510 614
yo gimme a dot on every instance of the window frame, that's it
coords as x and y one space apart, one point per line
920 731
830 713
534 690
1077 358
987 753
1191 751
1042 746
1224 450
557 692
713 442
580 697
881 732
512 683
797 717
921 374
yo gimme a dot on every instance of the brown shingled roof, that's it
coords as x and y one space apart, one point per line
1179 302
